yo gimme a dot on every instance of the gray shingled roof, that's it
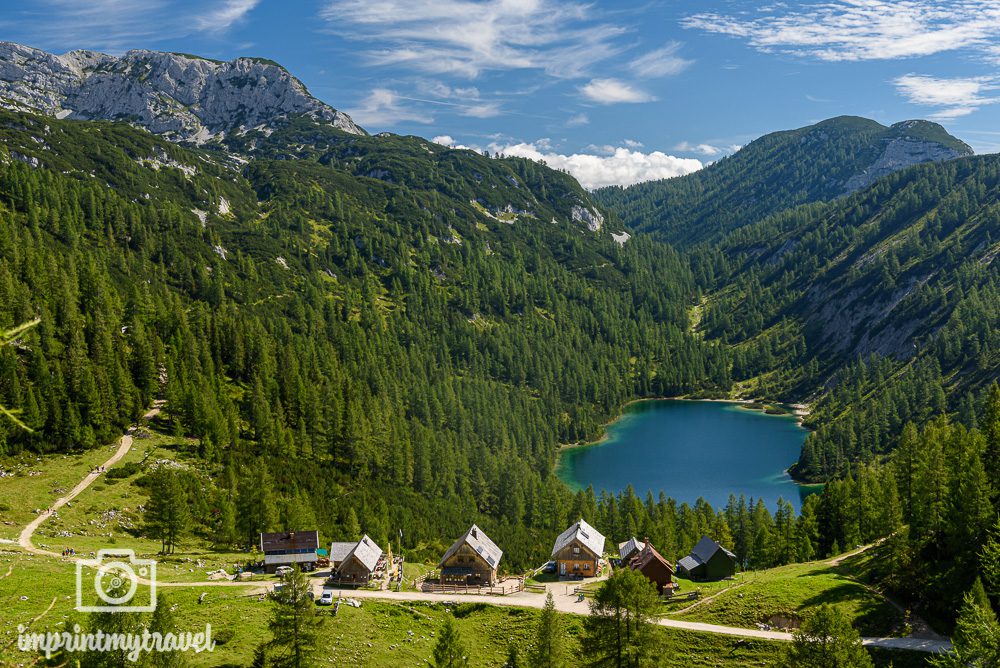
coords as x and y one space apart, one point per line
688 563
588 535
339 551
367 552
707 547
479 542
629 547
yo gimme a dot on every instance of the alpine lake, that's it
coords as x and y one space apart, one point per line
690 450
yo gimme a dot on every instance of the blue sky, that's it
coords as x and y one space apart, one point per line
615 92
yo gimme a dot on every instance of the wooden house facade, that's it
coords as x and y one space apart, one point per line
360 563
471 560
577 551
289 548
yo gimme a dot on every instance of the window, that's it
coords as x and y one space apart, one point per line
576 550
586 567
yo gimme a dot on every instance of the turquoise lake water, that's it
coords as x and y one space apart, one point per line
691 449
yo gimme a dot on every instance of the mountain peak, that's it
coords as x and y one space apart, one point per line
180 96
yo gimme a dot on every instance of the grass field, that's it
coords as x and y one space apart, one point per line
783 594
377 634
31 483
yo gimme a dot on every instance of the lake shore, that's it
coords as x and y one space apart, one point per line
632 420
799 410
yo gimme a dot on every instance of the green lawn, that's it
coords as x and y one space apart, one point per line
32 483
785 593
377 634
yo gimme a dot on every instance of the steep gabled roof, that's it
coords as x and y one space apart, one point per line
367 552
630 547
480 543
647 556
706 549
289 540
590 537
340 550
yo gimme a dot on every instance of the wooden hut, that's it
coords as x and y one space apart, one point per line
651 563
472 559
707 561
289 548
578 550
360 562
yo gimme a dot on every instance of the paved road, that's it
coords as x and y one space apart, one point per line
125 444
568 603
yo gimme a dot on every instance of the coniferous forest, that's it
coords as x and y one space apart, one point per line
379 332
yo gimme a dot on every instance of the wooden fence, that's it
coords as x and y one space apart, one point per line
504 587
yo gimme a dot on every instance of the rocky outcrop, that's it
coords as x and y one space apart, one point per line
592 217
905 148
182 97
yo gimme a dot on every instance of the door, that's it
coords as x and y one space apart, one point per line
562 568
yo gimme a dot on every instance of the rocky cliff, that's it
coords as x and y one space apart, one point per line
182 97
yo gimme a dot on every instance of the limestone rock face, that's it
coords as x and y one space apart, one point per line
904 150
184 98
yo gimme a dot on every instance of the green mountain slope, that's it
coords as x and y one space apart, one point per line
411 347
775 172
902 273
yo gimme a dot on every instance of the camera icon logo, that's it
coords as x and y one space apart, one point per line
117 575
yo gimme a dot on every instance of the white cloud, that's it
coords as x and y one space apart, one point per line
954 97
444 140
853 30
631 143
467 37
614 91
384 107
113 26
577 120
225 15
623 167
663 62
704 149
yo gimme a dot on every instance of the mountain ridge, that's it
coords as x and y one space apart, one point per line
183 97
779 170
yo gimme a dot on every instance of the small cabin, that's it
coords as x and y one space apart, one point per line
338 552
578 549
471 560
629 549
360 563
651 564
707 561
289 548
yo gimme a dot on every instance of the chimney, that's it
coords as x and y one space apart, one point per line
474 532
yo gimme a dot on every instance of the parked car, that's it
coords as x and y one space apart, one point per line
550 567
326 598
281 571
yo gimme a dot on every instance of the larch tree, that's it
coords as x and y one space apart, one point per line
826 639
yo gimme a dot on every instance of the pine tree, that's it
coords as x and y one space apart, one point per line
162 622
294 622
826 639
449 652
548 651
976 639
619 630
513 657
167 514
